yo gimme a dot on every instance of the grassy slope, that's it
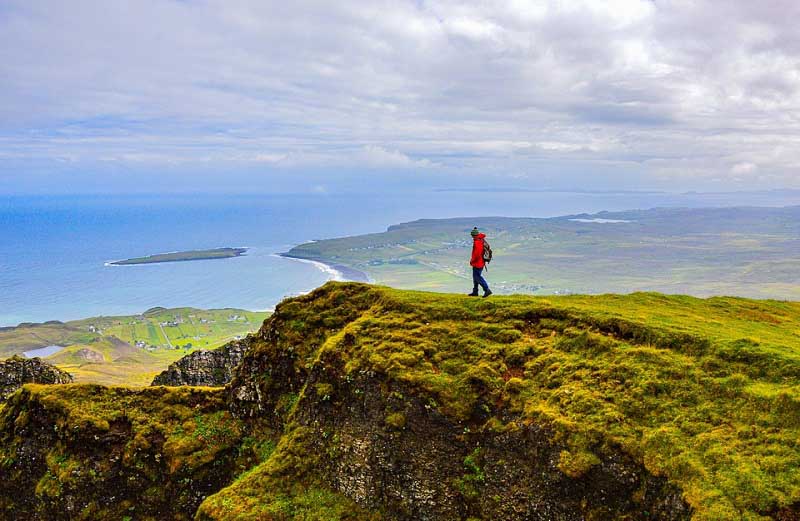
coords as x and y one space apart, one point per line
16 340
123 363
753 252
704 392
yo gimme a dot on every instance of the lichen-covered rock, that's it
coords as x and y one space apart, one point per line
88 452
211 368
18 371
367 434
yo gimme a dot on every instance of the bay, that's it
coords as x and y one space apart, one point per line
54 249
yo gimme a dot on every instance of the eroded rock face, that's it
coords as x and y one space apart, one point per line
390 447
391 450
336 414
18 371
107 454
91 356
211 368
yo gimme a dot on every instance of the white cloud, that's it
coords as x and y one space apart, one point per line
744 168
687 91
380 157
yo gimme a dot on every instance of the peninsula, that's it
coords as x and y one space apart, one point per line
748 252
179 256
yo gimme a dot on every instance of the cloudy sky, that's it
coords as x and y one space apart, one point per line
237 95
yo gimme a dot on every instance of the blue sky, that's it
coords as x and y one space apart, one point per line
238 95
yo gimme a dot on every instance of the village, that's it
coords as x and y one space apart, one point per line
179 328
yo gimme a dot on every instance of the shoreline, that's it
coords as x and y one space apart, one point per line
338 272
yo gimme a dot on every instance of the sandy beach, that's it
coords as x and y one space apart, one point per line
336 272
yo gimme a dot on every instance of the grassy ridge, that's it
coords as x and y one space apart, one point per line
703 392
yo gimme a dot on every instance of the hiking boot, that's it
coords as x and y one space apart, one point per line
473 294
489 292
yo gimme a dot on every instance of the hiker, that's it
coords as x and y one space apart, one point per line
481 254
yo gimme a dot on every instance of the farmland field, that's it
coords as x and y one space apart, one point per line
129 349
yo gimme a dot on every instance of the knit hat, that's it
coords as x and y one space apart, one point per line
474 231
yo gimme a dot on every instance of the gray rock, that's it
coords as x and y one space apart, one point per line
212 368
18 371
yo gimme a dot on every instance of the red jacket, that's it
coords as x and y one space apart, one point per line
477 251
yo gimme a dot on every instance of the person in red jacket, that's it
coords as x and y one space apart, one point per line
478 264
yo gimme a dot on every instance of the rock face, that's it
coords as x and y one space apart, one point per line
211 368
389 447
90 356
87 452
18 371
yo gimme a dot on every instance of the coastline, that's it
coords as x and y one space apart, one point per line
337 272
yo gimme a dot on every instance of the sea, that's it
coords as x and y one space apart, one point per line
55 250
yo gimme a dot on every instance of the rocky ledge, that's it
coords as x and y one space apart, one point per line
18 371
210 368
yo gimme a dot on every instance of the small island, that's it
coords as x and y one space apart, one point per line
182 256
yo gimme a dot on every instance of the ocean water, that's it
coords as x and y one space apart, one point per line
54 250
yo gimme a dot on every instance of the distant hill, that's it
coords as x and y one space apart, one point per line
128 349
750 252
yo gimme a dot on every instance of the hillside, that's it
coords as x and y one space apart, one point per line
362 403
129 349
748 252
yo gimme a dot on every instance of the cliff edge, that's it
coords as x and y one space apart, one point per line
206 367
359 403
17 371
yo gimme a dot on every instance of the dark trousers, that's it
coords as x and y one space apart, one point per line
477 278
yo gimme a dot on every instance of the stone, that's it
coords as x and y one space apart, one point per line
18 371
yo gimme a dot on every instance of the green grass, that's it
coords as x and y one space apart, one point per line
703 392
16 340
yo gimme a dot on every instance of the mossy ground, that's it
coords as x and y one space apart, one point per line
115 452
703 392
282 488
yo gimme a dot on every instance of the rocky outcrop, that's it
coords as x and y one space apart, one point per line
87 452
389 446
90 356
211 368
18 371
